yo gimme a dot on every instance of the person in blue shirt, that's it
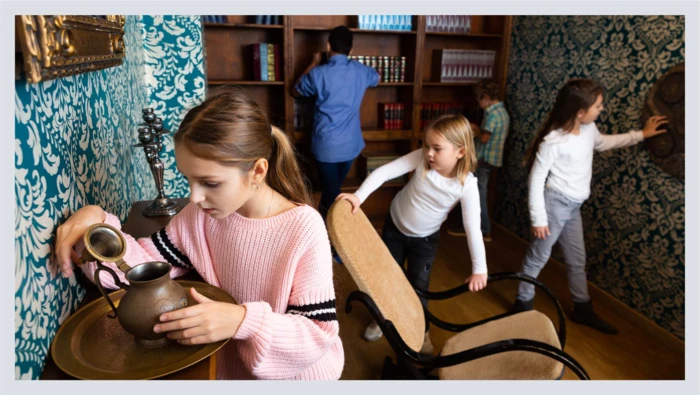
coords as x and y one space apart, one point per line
338 87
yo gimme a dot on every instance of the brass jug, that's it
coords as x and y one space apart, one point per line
150 293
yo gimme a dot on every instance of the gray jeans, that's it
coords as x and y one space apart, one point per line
565 226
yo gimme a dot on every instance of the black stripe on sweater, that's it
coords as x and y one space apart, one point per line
168 251
314 306
324 311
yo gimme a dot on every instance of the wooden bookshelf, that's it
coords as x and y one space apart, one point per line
228 61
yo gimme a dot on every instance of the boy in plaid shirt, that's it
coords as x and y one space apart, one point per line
490 139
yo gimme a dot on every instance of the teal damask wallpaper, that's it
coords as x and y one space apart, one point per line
635 217
73 147
175 78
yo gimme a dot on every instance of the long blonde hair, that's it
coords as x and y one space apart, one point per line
230 128
455 129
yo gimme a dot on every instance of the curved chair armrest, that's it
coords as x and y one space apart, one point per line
367 301
403 351
561 332
507 346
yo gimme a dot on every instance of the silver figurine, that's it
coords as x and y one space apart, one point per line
151 138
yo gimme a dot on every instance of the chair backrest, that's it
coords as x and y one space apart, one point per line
375 271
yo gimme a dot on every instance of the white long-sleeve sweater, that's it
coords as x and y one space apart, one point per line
564 162
422 205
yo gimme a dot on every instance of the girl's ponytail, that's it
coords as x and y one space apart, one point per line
284 174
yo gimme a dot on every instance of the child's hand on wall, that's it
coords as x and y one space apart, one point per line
206 322
653 123
68 234
477 282
352 198
541 232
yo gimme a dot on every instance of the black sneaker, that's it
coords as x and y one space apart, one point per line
522 305
583 314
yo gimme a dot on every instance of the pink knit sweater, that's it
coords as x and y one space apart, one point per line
279 268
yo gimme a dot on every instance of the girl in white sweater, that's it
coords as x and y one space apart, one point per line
443 178
561 160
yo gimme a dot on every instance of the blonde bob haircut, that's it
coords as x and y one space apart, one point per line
455 129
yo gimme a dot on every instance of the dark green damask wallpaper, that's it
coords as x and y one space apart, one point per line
634 220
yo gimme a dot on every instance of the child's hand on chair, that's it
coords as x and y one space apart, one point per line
352 198
477 282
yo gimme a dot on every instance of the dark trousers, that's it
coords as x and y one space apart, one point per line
332 177
482 174
419 251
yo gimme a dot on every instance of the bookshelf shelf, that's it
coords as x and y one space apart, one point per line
234 82
241 25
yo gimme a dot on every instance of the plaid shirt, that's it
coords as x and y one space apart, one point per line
496 121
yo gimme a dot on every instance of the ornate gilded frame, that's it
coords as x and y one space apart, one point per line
55 46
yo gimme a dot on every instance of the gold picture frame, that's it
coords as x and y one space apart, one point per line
55 46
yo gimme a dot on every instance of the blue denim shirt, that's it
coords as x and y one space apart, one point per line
338 87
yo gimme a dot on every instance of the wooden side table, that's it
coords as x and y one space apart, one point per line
139 226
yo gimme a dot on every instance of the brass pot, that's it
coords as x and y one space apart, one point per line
150 292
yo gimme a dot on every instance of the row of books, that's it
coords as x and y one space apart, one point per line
267 62
265 19
448 23
385 22
390 68
391 115
461 65
215 18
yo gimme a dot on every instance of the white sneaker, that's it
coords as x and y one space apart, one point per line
373 332
427 348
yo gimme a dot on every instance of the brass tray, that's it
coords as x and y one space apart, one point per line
91 346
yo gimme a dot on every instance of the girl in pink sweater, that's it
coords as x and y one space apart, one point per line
249 229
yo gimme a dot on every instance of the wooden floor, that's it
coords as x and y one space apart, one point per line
633 354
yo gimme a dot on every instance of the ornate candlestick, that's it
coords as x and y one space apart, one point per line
151 138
